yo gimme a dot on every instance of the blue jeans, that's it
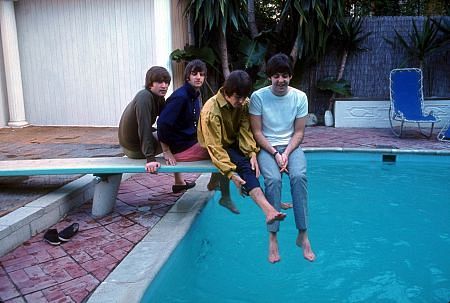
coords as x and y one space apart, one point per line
297 177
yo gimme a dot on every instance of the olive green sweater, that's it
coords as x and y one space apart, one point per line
135 127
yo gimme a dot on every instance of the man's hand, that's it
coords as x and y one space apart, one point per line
152 167
169 157
238 182
285 161
255 166
282 162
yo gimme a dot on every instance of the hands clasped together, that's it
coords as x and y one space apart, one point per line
282 161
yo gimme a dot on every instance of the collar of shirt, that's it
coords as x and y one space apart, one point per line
192 93
222 101
155 95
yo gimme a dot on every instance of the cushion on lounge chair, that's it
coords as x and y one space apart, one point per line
406 92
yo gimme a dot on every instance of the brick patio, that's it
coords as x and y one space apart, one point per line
39 272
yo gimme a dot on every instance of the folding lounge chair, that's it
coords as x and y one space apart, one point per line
406 92
444 134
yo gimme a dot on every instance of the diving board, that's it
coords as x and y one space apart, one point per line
107 170
104 165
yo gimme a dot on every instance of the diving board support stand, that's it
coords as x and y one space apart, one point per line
105 193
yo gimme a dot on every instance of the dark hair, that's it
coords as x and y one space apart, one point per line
196 66
238 82
156 74
279 63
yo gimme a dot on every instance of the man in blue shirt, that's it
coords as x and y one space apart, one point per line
177 131
177 123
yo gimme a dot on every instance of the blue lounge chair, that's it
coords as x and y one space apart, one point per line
406 92
444 134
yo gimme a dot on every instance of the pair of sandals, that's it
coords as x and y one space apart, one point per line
54 237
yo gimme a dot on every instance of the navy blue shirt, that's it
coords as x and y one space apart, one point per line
177 123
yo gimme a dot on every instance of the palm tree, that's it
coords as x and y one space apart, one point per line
314 20
421 44
349 37
218 16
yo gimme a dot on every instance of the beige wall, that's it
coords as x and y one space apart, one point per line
179 38
83 61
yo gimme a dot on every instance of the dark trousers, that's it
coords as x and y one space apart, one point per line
243 168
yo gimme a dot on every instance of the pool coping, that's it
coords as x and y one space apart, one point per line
384 149
131 278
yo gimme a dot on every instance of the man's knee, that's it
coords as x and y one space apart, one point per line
272 180
298 177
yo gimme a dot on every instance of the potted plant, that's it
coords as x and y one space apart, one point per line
335 86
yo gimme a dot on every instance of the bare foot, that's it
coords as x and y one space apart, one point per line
285 205
303 242
274 255
275 216
227 203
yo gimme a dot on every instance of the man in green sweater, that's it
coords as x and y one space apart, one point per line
136 133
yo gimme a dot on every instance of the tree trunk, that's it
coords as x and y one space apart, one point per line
252 19
223 53
339 77
253 27
294 52
190 29
342 67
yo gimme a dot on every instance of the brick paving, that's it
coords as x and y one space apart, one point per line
39 272
36 142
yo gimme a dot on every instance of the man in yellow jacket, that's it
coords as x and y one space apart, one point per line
224 130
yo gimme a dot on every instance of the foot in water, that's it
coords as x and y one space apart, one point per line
227 203
303 242
274 254
285 205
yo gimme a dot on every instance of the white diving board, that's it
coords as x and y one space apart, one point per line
104 165
108 169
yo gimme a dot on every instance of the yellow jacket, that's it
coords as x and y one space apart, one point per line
222 126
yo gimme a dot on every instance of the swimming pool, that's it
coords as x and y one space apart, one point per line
380 231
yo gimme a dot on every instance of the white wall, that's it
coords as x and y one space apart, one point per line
83 60
375 113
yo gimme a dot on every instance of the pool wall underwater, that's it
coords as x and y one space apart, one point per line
129 281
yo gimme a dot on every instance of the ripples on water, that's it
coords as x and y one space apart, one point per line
380 233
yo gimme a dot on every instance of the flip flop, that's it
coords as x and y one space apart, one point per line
68 232
51 236
179 188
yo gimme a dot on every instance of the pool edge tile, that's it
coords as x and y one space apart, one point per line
131 278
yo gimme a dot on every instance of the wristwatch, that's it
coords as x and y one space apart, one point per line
275 154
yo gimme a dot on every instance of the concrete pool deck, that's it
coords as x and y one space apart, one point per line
38 272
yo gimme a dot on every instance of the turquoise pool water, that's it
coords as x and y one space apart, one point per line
381 233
